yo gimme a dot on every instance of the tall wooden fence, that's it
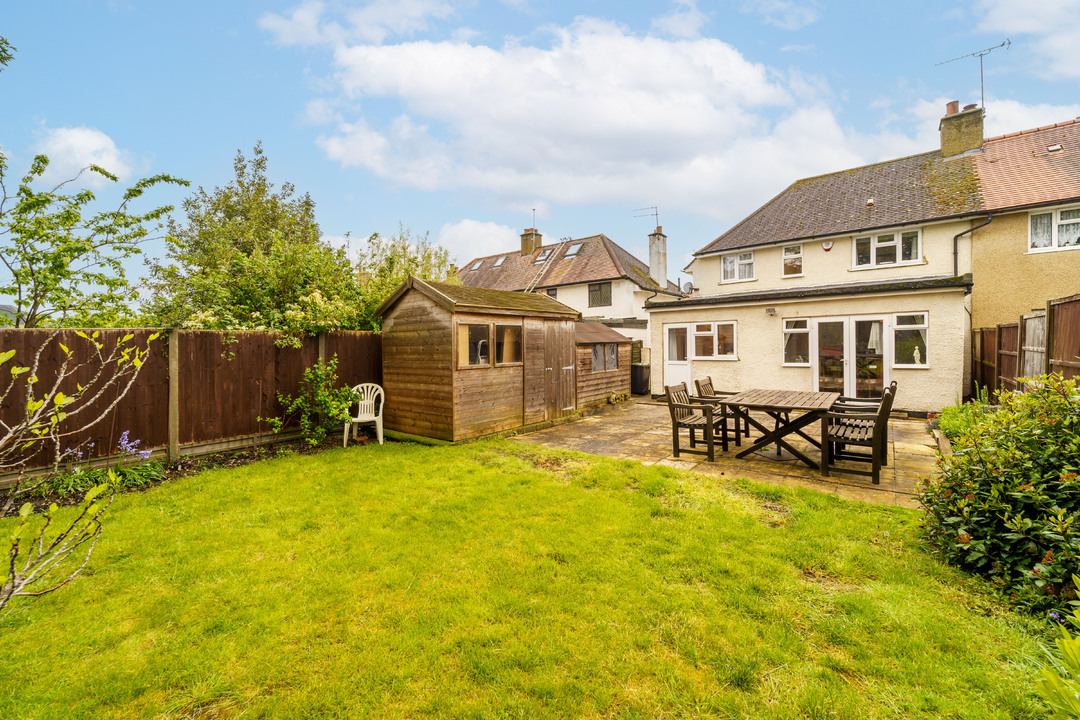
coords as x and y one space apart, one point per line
1044 341
198 391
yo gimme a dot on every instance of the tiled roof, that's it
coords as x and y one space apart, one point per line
599 259
587 333
1011 171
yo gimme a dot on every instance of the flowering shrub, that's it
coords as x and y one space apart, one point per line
321 404
133 469
1006 504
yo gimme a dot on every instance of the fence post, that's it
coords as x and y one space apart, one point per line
322 348
1049 336
174 394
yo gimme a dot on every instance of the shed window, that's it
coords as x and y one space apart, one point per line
910 340
507 344
474 345
605 356
599 294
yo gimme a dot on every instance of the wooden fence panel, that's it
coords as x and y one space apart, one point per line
224 383
1008 354
1063 331
1032 344
142 411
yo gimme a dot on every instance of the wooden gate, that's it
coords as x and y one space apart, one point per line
560 383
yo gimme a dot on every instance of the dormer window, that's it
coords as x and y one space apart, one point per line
499 261
573 250
543 255
476 265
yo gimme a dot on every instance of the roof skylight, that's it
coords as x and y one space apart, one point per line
573 250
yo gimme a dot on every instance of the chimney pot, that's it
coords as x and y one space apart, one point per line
961 132
952 107
972 106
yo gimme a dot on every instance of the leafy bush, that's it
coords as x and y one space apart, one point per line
1006 504
1059 683
956 419
321 404
79 480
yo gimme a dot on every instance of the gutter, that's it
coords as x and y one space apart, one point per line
956 243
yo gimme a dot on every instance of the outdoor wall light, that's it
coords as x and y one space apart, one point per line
770 311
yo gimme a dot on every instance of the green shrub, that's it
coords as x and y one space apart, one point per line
1059 683
79 481
956 419
1006 504
321 405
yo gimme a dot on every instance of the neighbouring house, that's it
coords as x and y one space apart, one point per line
8 313
603 364
848 281
593 275
462 362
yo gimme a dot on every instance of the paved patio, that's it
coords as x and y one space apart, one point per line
641 430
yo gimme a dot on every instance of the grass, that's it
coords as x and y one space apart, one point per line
496 580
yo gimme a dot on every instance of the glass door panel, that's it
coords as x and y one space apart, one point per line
830 356
676 358
869 358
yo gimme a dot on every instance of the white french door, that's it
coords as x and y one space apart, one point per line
677 355
849 355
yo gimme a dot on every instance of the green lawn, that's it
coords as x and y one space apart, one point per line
501 580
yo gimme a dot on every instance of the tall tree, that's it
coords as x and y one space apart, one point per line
250 257
385 263
65 262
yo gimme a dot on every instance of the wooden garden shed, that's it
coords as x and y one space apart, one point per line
462 362
603 364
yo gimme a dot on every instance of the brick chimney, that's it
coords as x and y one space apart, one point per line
531 240
658 257
961 131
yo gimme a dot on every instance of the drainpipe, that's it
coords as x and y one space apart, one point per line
956 244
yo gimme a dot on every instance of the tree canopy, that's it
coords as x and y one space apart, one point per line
65 262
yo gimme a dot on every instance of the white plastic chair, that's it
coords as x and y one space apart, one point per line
369 410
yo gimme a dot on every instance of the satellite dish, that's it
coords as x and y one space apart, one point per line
687 287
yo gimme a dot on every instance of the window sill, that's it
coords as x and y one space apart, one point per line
910 367
795 365
727 358
1043 251
910 263
736 282
789 277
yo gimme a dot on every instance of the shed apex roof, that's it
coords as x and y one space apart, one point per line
587 333
463 298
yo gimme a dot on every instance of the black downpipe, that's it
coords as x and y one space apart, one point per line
956 244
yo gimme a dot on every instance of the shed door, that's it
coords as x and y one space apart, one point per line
559 379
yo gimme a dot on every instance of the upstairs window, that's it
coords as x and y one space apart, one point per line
573 250
552 292
543 255
499 261
898 248
1055 230
476 265
793 261
737 267
599 294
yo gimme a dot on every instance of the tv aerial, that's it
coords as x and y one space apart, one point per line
980 54
647 211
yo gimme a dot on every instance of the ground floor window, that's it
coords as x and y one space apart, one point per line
714 340
797 342
909 341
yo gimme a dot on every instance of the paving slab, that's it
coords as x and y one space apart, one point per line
641 430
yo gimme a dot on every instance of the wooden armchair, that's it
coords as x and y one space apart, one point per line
859 427
707 393
695 415
863 406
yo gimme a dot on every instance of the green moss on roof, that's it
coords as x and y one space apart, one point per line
954 185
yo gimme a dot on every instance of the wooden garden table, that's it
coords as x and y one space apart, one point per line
779 405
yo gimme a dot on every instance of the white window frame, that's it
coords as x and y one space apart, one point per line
476 265
499 261
543 255
887 238
695 331
897 328
790 328
784 255
741 260
573 250
1056 222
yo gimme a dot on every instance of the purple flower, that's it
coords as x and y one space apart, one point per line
127 446
1055 616
144 454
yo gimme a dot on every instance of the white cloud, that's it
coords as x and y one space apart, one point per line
684 21
70 149
471 238
373 22
784 14
1052 25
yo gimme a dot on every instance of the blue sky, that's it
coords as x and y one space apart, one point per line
459 118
